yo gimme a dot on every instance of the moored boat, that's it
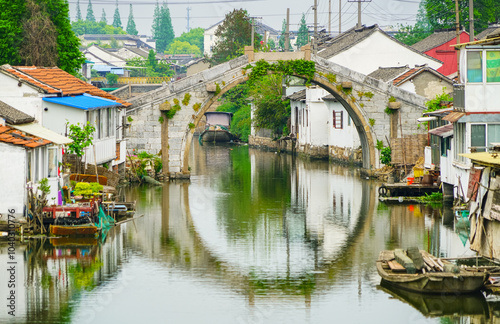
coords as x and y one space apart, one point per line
461 280
74 230
217 128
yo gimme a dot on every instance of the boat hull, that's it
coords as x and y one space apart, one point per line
74 230
216 136
464 282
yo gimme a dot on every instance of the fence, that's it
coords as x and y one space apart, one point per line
135 80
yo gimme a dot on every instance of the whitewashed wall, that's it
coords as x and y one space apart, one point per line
12 175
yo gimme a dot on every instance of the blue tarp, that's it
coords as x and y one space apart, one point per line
85 102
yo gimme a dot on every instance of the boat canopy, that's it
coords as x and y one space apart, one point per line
219 118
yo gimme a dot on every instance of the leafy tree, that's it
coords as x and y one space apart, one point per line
193 37
232 36
152 59
155 26
303 33
90 13
131 30
157 69
178 47
271 43
117 21
103 17
282 37
164 34
235 101
82 136
83 27
78 12
271 111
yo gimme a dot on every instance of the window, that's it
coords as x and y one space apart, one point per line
445 146
111 121
52 153
474 67
105 122
338 121
459 141
478 137
492 66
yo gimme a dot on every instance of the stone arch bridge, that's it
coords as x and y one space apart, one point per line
152 131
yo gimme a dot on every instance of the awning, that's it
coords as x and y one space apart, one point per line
42 132
85 102
439 112
442 131
484 158
454 116
426 119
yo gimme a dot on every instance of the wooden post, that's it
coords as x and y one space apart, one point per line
164 146
402 142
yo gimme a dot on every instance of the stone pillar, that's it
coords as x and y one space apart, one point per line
164 140
307 51
250 53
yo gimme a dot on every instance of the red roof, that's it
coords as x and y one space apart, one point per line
16 137
405 75
53 80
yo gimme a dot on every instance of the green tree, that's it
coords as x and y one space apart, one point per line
83 27
271 111
117 21
158 69
155 26
282 37
178 47
103 17
15 22
164 33
193 37
82 136
303 33
90 13
236 101
271 43
78 12
152 59
131 29
232 36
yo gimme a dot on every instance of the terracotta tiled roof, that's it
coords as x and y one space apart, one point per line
53 80
405 75
16 137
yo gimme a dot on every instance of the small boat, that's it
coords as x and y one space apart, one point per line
217 128
434 280
74 230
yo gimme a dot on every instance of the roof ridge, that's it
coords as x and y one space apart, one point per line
16 68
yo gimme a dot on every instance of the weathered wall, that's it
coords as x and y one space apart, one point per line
413 146
128 91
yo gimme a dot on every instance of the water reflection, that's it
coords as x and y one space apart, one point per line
254 237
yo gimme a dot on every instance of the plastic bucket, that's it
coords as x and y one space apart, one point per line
409 180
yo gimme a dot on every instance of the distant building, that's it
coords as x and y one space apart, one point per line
123 40
492 30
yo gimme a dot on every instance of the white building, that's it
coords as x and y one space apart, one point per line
366 49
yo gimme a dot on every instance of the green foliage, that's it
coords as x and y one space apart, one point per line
129 119
87 189
44 186
180 47
78 12
103 17
392 99
435 104
385 156
144 155
380 145
410 35
217 88
235 101
371 121
111 78
191 125
131 28
194 37
369 94
303 33
389 111
162 29
197 106
360 94
271 111
153 67
161 119
232 35
187 98
90 13
433 197
117 21
82 27
82 137
271 44
173 110
285 68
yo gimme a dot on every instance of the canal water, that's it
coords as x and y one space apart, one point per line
253 237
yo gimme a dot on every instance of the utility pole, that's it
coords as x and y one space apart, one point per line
340 16
315 39
252 21
457 19
359 10
329 17
287 30
188 10
471 20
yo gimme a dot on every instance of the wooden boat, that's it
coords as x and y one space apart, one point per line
217 127
74 230
462 281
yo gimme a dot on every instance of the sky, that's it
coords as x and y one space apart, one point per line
205 13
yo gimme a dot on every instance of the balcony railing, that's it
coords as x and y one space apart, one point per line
135 80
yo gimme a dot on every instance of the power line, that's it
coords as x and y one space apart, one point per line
113 2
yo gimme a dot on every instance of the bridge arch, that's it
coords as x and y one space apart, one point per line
205 87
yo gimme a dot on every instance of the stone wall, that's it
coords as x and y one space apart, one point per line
346 155
131 90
